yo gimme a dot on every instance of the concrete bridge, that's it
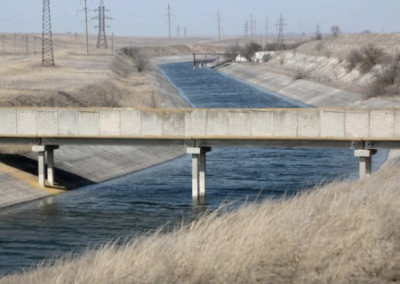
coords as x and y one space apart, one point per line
364 130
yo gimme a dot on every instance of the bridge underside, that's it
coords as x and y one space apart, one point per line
198 148
217 142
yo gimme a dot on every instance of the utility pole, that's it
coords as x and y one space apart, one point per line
251 27
27 45
15 45
35 52
47 36
4 45
102 37
318 34
87 31
185 32
169 24
219 28
281 28
266 29
22 44
255 29
112 43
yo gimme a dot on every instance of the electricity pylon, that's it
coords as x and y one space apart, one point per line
102 37
246 29
281 28
47 36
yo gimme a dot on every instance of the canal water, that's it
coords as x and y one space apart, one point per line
161 196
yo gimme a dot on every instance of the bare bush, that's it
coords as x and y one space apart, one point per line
353 59
320 46
232 52
335 31
273 46
371 56
386 78
300 73
153 101
250 49
267 57
140 59
328 53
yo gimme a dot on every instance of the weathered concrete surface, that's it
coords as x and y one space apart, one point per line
78 166
310 93
188 124
304 91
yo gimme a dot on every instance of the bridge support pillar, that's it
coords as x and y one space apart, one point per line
42 151
365 162
50 164
199 170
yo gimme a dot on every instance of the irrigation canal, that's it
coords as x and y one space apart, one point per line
161 195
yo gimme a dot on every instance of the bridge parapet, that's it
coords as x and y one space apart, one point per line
335 124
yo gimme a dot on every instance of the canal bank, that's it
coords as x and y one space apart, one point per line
303 91
307 92
78 166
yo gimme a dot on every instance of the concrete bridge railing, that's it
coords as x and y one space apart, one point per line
365 130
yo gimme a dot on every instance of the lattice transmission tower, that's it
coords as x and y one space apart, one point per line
246 29
102 38
281 28
47 36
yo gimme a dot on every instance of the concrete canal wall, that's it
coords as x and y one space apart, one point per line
82 165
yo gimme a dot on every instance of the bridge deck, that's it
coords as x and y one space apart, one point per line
345 128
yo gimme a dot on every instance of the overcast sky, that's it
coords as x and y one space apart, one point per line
148 17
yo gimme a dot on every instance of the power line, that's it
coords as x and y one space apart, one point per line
47 36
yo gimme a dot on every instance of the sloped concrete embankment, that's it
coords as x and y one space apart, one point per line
307 92
83 165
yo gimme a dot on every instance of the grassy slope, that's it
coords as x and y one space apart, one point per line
341 233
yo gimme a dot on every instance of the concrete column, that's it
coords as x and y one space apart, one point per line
365 162
202 173
198 170
50 163
203 170
41 164
195 176
50 166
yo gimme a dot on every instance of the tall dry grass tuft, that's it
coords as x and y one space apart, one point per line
341 233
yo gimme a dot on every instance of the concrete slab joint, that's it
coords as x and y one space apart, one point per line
199 170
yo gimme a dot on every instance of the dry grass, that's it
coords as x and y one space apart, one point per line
341 233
